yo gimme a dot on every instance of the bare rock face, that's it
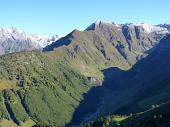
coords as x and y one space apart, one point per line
138 37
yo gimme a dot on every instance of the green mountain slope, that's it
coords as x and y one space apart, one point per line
88 53
39 88
158 116
104 45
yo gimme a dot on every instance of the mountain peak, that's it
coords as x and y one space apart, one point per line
152 28
14 40
97 24
103 22
145 26
149 28
165 26
11 30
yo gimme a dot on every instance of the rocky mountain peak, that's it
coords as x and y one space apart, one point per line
146 27
15 40
98 24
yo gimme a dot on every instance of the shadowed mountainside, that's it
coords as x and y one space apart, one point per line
125 92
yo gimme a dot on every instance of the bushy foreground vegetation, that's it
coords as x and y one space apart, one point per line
42 89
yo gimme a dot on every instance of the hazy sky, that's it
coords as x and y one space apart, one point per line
49 17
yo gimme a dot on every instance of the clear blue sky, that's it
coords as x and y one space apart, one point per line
49 17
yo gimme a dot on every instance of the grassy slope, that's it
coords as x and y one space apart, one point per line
89 53
10 123
102 46
42 89
156 117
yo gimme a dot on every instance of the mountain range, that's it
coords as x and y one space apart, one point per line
107 75
15 40
105 44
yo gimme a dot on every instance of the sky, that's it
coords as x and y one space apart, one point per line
59 17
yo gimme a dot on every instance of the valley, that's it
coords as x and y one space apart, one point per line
106 73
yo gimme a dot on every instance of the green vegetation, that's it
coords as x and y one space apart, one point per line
89 53
11 123
14 107
158 116
42 89
109 121
55 88
3 110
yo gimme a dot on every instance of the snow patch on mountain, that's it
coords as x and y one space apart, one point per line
152 28
16 40
19 35
148 28
103 22
165 26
